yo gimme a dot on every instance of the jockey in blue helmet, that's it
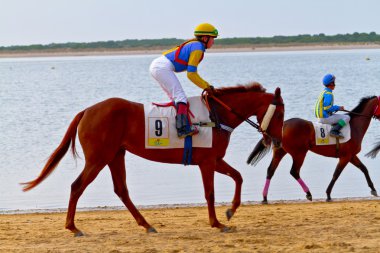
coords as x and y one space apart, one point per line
325 108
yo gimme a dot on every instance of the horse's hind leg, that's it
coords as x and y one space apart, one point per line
88 175
278 154
338 170
356 161
224 168
117 168
298 160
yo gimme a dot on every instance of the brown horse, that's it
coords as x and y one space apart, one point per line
107 129
299 137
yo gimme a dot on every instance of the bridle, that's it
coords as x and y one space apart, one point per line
366 115
377 109
260 128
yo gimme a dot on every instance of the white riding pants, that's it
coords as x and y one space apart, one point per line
333 119
163 71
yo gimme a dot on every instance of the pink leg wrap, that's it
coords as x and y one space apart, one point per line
304 186
266 187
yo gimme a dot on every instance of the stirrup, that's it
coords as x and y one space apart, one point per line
183 126
184 133
336 134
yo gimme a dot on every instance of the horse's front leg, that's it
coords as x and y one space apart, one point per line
278 154
343 161
224 168
208 170
356 161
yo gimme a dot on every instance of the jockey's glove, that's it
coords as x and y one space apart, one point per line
210 90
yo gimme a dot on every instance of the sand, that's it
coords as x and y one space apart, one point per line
341 226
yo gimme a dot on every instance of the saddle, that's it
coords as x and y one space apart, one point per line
322 134
160 125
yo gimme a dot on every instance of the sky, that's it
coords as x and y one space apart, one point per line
26 22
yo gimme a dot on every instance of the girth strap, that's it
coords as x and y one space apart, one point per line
337 146
187 150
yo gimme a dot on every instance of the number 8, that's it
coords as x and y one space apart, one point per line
323 135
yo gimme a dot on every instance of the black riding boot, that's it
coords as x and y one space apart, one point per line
183 127
335 131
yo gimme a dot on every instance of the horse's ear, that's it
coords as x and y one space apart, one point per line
277 93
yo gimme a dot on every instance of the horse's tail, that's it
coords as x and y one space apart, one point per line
58 153
373 153
258 152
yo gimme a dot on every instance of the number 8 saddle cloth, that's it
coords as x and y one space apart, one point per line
322 134
160 130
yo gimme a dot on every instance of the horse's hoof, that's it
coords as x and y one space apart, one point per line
228 229
309 196
264 202
229 214
374 193
329 200
78 234
151 230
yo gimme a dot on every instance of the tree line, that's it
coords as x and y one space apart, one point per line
131 44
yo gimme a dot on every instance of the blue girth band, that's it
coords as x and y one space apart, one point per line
188 150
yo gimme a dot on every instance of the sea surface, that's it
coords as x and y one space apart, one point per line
40 96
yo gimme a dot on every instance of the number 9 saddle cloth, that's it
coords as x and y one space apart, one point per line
160 130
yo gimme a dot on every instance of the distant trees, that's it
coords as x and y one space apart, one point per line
321 38
305 39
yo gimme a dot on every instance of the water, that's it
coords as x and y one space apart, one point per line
40 96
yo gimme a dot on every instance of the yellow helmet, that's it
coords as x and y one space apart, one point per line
206 29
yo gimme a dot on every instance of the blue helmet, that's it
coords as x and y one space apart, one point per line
327 79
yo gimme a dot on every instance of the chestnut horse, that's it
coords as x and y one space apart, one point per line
299 137
110 128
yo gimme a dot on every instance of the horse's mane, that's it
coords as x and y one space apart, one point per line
254 86
359 108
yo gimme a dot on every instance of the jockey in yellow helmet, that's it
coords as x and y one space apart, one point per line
184 57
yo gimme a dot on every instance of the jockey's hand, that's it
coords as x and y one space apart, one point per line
341 108
210 90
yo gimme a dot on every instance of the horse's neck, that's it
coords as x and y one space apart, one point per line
359 124
245 105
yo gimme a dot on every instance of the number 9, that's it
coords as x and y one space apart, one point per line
158 127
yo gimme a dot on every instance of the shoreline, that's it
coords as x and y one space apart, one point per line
174 206
218 49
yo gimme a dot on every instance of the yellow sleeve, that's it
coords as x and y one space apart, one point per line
192 73
195 78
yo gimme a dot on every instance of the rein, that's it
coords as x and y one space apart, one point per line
205 96
358 114
374 115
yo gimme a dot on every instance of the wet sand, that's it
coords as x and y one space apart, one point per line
341 226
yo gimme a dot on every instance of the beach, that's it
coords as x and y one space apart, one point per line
339 226
345 225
